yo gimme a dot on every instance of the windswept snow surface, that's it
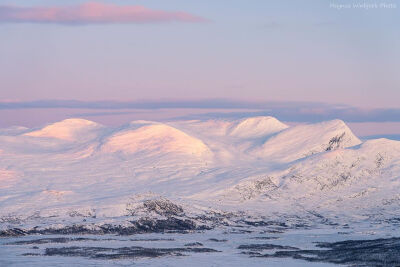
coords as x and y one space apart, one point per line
78 171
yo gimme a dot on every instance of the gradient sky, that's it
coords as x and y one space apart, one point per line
260 50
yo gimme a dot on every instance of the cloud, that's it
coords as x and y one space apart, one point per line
286 111
92 13
298 113
160 104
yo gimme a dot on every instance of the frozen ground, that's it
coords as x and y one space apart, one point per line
211 248
191 181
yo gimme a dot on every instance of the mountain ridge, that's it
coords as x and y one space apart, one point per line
322 168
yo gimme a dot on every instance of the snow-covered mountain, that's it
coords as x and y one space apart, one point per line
305 140
153 138
256 127
78 169
70 130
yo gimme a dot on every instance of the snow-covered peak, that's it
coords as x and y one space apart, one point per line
153 139
256 127
304 140
381 146
69 129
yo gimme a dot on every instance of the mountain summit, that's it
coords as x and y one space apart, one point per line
256 127
69 129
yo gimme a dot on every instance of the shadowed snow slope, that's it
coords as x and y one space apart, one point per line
70 130
304 140
257 127
152 138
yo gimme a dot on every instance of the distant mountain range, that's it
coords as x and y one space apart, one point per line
78 171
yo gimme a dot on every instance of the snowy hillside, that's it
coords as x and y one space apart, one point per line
305 140
77 169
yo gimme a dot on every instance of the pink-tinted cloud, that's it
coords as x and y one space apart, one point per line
92 12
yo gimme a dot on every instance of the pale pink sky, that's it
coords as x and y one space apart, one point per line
277 50
333 63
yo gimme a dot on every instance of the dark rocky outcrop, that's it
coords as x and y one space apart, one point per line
265 247
362 253
123 253
194 244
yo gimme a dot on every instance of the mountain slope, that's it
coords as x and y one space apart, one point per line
349 182
304 140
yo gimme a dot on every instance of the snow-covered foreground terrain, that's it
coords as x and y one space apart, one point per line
211 177
211 248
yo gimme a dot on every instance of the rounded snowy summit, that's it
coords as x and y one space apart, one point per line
257 127
153 139
69 129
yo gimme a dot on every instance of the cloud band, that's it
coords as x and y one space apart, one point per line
286 111
92 13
